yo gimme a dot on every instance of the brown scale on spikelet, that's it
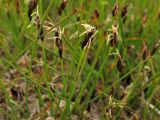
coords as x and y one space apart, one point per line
17 6
124 13
32 5
144 53
38 24
159 15
113 37
115 10
90 32
155 47
120 63
95 14
144 19
58 41
37 21
88 38
62 6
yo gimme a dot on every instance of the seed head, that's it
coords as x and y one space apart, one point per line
124 11
62 6
90 33
113 37
17 5
58 39
155 47
37 21
95 14
32 5
144 51
115 10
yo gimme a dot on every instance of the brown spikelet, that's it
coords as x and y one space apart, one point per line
124 11
41 34
159 15
120 64
62 6
17 5
95 14
38 24
74 11
144 19
32 5
17 94
88 38
115 10
78 18
144 51
113 40
155 47
59 43
114 36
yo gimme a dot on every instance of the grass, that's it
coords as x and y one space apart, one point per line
103 66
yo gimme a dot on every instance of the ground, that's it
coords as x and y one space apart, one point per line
79 60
